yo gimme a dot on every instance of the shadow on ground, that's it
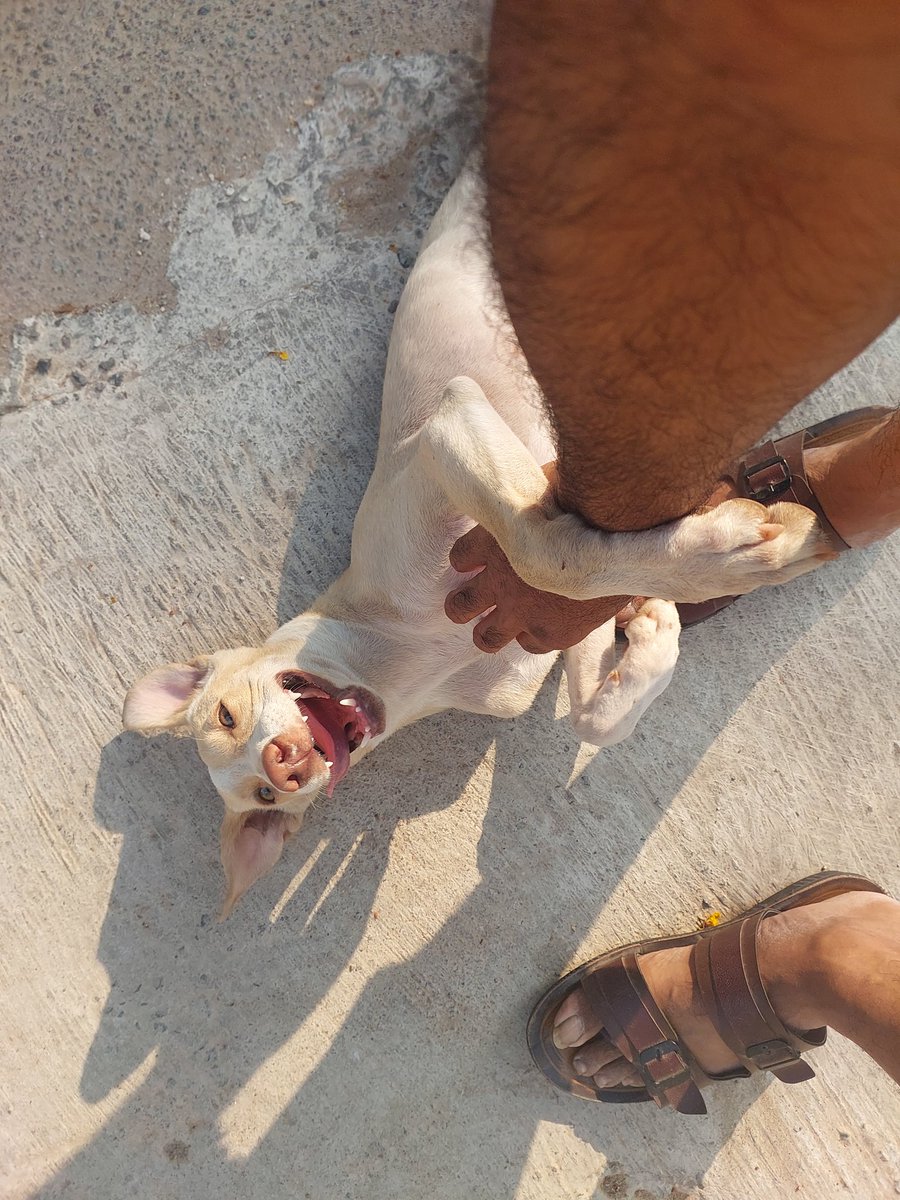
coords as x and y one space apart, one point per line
428 1076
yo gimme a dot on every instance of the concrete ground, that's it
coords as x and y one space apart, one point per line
356 1028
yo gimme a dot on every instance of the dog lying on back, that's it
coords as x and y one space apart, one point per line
463 429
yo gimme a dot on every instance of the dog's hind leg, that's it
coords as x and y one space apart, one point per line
608 699
489 475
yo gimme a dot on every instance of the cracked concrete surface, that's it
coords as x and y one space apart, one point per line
356 1029
111 111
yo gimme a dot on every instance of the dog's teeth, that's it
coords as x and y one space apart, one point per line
348 702
328 762
305 717
367 737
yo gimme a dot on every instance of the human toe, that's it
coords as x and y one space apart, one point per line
574 1022
596 1056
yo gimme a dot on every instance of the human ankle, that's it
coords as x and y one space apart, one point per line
812 958
843 475
795 969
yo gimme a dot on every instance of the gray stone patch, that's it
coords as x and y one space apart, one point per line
370 166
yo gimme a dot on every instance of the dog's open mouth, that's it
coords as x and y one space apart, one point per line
340 720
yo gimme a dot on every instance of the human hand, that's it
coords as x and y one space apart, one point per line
538 621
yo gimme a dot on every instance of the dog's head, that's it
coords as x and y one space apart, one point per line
272 736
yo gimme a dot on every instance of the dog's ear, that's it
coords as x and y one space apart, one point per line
251 845
160 700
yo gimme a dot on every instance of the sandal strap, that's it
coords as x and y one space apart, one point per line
726 970
631 1018
776 470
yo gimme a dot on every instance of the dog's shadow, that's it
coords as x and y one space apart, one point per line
424 1085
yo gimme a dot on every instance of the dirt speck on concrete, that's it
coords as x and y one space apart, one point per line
177 1152
614 1183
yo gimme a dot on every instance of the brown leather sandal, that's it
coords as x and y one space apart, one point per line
725 968
775 471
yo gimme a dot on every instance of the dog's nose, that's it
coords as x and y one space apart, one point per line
281 760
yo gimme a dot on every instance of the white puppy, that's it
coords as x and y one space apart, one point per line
463 429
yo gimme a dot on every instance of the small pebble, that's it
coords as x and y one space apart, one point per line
144 235
404 258
229 191
392 307
107 364
42 366
117 380
78 379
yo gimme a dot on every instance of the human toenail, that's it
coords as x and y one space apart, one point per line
580 1065
568 1032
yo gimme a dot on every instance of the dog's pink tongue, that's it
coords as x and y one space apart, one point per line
326 724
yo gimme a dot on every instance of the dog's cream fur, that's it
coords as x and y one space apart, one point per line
463 429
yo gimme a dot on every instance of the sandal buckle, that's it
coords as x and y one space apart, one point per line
768 1056
768 479
654 1055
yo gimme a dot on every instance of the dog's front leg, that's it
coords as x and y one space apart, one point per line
489 475
608 699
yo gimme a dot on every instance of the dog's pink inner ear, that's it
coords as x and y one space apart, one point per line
251 846
159 700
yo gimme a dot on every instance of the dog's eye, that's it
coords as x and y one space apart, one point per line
265 794
225 717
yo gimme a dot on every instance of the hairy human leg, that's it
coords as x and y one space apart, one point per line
692 222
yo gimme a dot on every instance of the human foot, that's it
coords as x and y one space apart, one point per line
800 952
845 469
658 1019
829 468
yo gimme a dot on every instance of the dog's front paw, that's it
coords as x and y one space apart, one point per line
742 545
643 672
655 626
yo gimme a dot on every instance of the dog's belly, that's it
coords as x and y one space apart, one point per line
450 322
